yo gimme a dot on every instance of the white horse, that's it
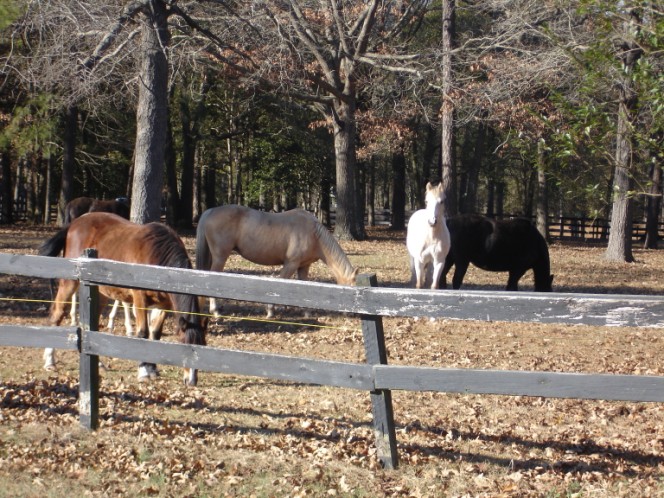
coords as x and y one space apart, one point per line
427 238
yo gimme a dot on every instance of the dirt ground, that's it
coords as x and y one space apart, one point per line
241 436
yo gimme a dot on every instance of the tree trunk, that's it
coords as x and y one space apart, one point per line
189 139
68 161
200 171
151 117
371 194
7 193
47 189
500 198
398 218
347 225
209 181
653 207
170 196
469 204
448 168
542 206
619 247
620 235
431 152
191 114
360 193
324 215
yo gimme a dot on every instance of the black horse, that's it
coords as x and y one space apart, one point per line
514 246
81 205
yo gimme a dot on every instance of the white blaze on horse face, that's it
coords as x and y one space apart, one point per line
434 203
432 207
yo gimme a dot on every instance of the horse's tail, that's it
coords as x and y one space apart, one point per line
53 247
333 255
203 255
56 244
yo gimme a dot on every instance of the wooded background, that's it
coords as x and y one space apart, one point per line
534 108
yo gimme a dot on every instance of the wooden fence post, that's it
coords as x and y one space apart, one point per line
88 397
381 399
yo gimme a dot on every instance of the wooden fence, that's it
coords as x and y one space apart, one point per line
369 303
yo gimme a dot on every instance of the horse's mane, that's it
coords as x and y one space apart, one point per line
168 250
335 257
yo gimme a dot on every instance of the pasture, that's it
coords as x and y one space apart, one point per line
240 436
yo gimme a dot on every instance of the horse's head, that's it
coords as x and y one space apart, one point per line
348 279
545 285
192 331
434 200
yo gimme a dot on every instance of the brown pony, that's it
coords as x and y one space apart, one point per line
118 239
294 239
78 207
81 205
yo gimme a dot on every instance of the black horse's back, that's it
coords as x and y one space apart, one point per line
81 205
469 234
513 246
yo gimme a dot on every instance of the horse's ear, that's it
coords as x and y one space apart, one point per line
429 186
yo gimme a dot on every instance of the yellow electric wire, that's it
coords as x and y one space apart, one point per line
227 317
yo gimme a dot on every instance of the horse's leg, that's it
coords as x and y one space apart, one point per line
437 273
287 271
157 318
146 371
72 311
420 274
112 315
303 274
66 291
513 279
460 268
129 326
449 262
218 264
413 278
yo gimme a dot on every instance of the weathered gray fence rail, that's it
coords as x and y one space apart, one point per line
369 303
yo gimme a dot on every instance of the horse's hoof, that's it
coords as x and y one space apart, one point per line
146 373
50 367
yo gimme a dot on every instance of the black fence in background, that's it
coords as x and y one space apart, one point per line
564 227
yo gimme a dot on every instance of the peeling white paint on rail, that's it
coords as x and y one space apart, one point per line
624 316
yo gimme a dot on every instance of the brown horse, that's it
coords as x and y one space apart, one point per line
294 239
78 207
81 205
118 239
